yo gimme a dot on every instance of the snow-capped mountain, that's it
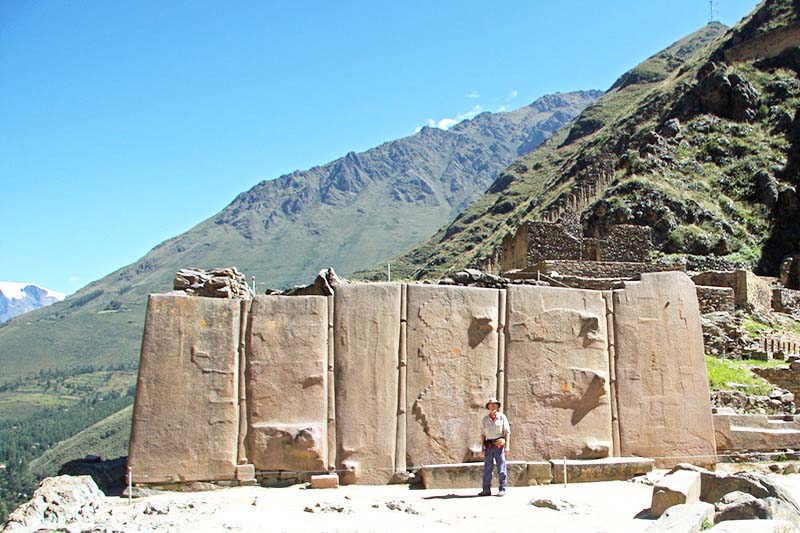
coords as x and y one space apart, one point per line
17 298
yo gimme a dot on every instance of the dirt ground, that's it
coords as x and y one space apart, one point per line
615 506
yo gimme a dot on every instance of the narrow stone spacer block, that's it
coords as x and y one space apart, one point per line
607 469
325 481
470 475
246 473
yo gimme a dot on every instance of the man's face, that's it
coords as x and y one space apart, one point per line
493 407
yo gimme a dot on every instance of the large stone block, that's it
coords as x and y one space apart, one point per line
287 405
734 432
185 419
452 370
662 386
557 367
606 469
676 488
366 351
466 475
685 518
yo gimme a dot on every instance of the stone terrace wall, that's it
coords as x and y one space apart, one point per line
626 243
783 377
786 301
713 299
383 378
766 45
534 242
751 292
595 269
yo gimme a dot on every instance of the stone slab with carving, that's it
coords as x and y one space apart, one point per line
452 370
557 386
185 419
662 385
366 340
287 406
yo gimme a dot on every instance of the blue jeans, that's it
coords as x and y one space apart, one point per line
494 455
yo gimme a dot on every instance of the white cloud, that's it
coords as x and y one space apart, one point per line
448 122
418 129
501 109
513 94
473 95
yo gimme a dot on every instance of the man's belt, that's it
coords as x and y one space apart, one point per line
499 442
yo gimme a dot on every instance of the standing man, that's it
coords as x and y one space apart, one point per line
495 443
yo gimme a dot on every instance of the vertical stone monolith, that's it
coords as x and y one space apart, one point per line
452 371
557 386
366 355
662 385
287 395
185 419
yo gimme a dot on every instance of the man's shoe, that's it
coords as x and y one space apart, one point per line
485 493
501 493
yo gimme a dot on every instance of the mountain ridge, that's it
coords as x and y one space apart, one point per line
694 145
353 211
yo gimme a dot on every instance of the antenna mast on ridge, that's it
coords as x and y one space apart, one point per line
713 6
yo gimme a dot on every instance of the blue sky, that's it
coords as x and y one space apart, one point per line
126 123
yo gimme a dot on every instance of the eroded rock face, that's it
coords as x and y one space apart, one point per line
367 343
185 419
662 384
58 501
452 370
557 394
287 405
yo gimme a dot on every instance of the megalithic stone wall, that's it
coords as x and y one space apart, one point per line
186 416
400 374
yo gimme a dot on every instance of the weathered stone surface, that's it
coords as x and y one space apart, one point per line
366 340
557 386
673 489
684 518
755 432
325 481
452 370
715 486
662 386
58 501
743 506
607 469
287 405
753 526
189 344
466 475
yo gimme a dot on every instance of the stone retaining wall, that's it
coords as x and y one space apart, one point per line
384 378
786 301
765 45
713 299
782 377
751 292
596 269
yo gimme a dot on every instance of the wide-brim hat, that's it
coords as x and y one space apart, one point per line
494 400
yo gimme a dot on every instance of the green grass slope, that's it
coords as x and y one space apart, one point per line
107 438
701 149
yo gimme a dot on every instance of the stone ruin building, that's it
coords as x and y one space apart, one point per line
381 379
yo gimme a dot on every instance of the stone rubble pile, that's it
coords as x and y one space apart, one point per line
471 277
778 401
724 336
214 283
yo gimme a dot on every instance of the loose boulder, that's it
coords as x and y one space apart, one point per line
677 488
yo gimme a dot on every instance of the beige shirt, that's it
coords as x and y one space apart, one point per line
494 429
